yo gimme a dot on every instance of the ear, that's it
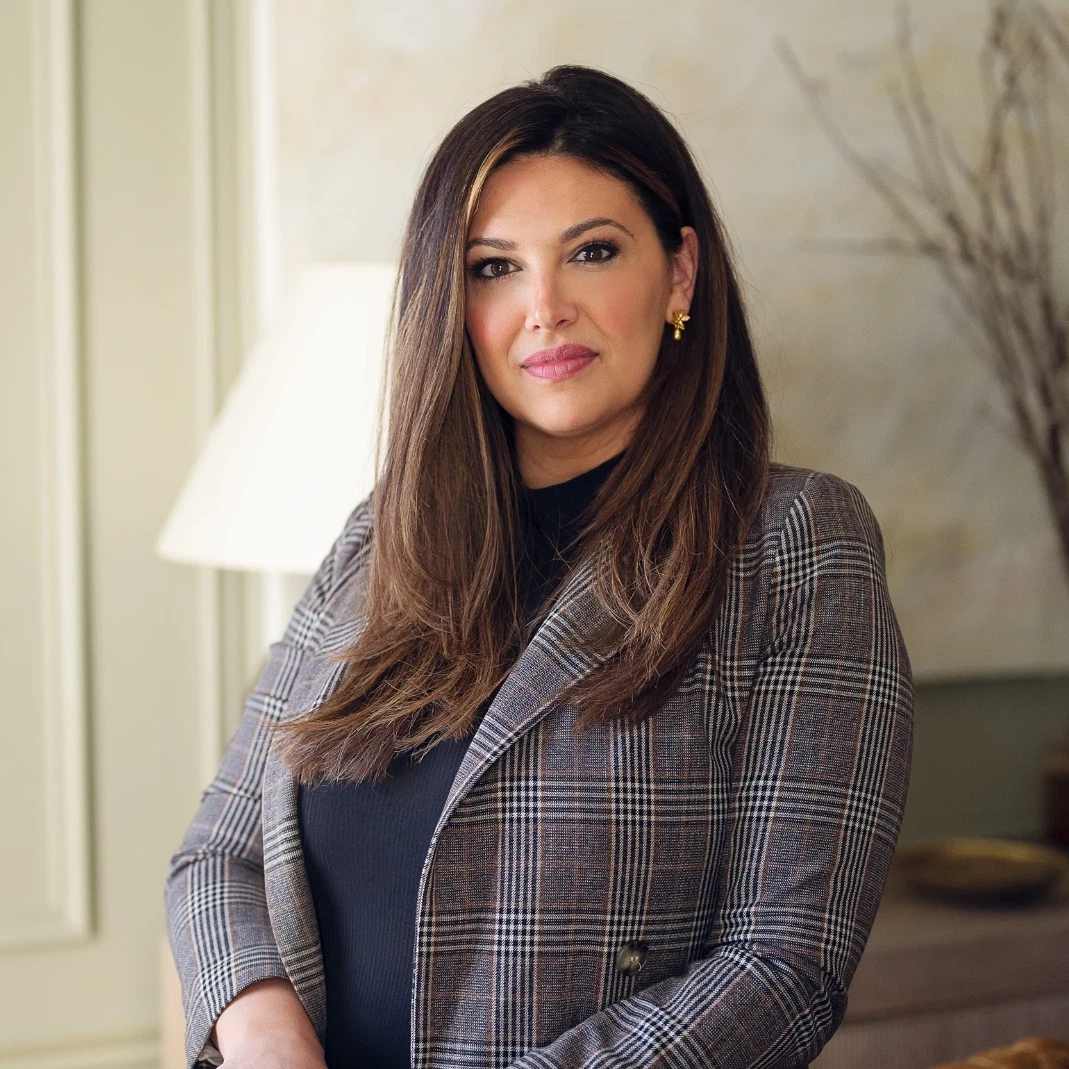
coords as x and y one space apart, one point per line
684 265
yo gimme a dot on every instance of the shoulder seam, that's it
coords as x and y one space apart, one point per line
788 516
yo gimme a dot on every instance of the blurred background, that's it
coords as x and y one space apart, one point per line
172 171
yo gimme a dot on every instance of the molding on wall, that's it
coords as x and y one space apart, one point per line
76 74
228 107
243 197
66 916
205 364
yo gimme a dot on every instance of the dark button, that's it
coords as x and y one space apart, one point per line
631 956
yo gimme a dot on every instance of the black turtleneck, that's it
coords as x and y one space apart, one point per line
365 844
550 518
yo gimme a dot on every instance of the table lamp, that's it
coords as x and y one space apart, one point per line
292 450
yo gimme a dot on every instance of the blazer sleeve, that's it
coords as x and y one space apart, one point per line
217 920
819 787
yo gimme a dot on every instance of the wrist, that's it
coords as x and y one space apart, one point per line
266 1011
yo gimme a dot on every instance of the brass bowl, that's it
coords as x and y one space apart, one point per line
991 871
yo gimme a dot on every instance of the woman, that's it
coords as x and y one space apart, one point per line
589 741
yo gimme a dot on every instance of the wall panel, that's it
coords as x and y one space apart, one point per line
121 324
43 763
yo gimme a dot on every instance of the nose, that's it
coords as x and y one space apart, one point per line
549 306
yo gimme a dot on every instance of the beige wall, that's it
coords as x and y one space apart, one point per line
120 326
868 376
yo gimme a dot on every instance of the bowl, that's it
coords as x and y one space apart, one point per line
988 871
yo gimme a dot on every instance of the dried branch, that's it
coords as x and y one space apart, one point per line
987 227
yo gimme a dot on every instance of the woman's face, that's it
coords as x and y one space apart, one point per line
560 254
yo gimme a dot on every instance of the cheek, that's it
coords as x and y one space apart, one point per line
490 325
629 313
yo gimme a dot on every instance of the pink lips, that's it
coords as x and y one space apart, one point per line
560 362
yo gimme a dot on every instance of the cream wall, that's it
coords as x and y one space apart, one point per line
123 311
868 376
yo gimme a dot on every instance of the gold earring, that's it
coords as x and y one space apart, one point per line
678 319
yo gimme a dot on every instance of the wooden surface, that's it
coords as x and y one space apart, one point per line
924 956
940 981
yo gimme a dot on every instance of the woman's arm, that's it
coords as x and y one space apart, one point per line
217 918
266 1027
821 779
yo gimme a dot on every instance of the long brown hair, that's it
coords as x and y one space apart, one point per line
443 625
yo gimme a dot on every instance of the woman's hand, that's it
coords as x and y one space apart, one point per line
266 1027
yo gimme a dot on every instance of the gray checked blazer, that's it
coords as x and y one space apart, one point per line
692 892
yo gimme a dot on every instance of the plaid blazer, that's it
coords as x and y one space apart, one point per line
692 892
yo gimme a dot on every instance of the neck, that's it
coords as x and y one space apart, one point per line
545 459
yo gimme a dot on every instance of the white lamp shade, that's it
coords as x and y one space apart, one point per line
291 453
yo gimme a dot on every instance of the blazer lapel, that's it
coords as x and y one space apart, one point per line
550 661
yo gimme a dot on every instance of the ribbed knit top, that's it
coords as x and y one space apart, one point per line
365 844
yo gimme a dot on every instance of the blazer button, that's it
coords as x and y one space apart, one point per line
631 956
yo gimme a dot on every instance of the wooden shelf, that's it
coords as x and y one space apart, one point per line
939 981
924 955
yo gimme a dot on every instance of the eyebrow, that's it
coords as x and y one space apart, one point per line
565 235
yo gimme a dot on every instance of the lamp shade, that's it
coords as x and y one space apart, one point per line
291 452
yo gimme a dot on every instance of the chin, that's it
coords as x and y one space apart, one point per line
563 424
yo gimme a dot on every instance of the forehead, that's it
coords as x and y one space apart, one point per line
547 193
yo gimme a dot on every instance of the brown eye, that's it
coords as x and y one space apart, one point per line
498 268
606 250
